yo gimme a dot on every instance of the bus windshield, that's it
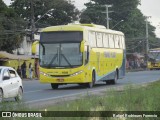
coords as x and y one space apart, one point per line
154 56
60 55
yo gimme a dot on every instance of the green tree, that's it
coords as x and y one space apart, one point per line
61 11
11 27
133 24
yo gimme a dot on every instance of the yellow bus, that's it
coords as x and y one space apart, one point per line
81 54
154 59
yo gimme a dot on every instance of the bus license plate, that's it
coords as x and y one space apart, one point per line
60 80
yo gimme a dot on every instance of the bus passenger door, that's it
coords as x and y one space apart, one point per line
86 51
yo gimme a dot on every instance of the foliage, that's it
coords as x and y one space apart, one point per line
47 12
133 25
10 28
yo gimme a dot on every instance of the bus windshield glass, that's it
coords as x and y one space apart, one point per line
60 55
60 49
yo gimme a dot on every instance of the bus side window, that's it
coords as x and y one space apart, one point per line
123 42
106 40
111 41
116 41
120 42
99 39
92 39
86 54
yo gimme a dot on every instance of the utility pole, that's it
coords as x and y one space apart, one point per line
32 21
107 14
147 43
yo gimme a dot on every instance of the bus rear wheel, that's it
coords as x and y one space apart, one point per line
114 81
54 86
108 82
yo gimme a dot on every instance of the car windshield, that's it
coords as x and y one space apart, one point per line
60 55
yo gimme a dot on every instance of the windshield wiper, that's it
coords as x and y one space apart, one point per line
55 56
66 60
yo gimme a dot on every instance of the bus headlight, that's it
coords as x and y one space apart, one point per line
79 72
45 74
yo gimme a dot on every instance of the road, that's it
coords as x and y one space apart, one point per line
35 92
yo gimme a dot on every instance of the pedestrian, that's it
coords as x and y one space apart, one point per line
30 70
19 71
23 68
37 69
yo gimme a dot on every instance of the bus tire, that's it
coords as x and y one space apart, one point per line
108 82
54 86
114 81
91 84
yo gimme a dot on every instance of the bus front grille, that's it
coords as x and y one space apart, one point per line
60 75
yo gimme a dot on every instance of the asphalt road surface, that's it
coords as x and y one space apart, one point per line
35 92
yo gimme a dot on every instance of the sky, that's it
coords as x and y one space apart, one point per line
147 7
152 8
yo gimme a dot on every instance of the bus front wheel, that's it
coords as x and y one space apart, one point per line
91 84
54 86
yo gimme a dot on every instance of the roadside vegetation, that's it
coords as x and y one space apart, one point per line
132 98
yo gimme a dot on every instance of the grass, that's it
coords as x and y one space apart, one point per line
142 99
130 99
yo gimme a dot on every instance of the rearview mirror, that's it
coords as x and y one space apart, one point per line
34 47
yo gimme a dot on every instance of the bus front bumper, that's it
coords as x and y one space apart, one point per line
72 79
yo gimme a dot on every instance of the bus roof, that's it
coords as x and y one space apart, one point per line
80 27
155 49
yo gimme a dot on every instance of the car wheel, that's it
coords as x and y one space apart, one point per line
54 86
1 95
19 95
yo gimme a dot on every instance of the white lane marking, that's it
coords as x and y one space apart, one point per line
52 98
33 91
82 93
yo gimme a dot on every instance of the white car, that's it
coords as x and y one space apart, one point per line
10 84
